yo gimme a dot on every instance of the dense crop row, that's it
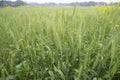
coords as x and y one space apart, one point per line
60 43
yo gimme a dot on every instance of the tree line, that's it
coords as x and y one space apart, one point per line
4 3
16 3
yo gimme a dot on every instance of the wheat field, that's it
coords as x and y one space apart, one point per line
60 43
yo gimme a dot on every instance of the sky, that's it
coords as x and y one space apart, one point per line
66 1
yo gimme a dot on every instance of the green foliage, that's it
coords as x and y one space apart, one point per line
59 43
